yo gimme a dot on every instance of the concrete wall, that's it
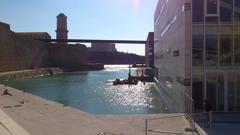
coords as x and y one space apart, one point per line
172 49
18 53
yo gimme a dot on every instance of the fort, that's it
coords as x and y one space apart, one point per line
29 50
20 51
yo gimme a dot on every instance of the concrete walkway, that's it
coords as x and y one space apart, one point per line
10 127
38 116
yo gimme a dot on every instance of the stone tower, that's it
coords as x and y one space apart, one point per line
62 32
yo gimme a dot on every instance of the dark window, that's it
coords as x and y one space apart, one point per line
226 50
198 10
226 11
237 49
212 6
197 91
237 11
211 88
197 50
238 92
176 53
231 78
211 50
187 6
220 92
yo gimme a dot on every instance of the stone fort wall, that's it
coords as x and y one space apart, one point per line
67 55
18 52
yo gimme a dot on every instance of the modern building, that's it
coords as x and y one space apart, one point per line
62 32
197 54
103 47
149 50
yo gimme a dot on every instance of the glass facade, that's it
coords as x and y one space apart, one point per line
226 46
237 12
238 91
198 93
226 11
220 92
212 7
237 45
216 55
226 50
211 90
211 50
231 92
198 12
197 46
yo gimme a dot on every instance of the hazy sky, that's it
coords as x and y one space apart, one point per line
91 19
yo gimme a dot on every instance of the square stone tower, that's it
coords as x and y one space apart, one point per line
62 32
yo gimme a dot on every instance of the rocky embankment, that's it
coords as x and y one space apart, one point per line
24 74
39 72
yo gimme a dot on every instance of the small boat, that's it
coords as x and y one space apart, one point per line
125 81
130 80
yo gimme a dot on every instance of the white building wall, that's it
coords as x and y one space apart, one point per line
173 51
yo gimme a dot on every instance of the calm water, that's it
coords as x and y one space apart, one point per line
92 92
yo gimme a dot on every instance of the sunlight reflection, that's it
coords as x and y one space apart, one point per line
113 68
125 95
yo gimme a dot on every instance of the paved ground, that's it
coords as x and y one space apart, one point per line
42 117
9 126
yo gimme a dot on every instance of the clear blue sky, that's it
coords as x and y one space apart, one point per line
92 19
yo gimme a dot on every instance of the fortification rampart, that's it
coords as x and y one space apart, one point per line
67 55
18 52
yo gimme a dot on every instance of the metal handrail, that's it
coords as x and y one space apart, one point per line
161 131
7 129
165 132
109 133
209 119
191 122
166 117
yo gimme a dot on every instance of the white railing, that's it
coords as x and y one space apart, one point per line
109 133
147 130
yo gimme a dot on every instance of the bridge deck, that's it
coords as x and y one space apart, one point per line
96 41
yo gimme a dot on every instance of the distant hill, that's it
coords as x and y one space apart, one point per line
115 58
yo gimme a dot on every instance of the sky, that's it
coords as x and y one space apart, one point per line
87 19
